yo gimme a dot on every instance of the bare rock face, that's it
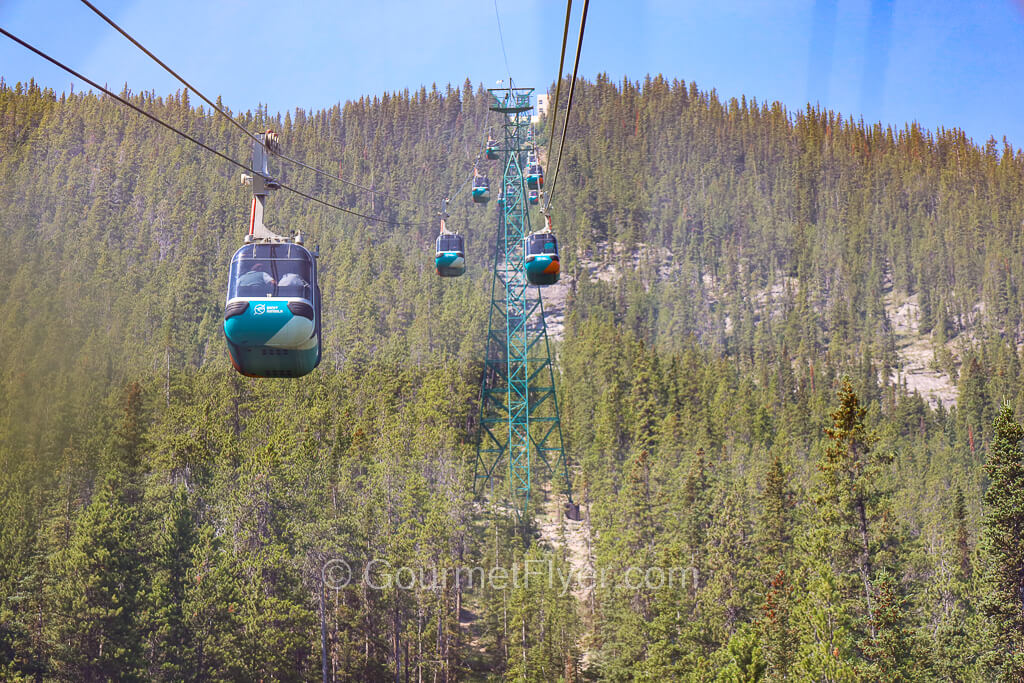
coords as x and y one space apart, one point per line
917 370
916 353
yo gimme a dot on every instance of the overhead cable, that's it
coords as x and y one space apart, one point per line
502 39
568 106
223 113
558 88
188 137
169 70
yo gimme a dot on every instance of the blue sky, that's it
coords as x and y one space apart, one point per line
937 62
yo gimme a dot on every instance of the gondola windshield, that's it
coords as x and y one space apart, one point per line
541 243
450 243
275 270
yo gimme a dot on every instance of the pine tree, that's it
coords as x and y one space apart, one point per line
893 651
129 435
850 500
961 539
777 633
840 549
952 596
827 628
1003 547
212 611
98 592
775 530
173 655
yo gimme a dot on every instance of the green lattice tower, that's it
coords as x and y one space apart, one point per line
519 418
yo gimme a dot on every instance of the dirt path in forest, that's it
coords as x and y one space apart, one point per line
557 532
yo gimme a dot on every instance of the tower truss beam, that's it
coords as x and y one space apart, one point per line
519 418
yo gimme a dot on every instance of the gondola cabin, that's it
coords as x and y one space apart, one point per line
272 314
535 177
534 197
542 264
450 258
501 201
491 151
481 189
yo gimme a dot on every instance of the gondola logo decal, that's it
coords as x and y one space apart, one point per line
260 309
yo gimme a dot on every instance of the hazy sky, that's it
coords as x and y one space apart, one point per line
939 62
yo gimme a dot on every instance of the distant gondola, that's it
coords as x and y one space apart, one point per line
492 148
481 189
534 197
450 255
535 176
450 258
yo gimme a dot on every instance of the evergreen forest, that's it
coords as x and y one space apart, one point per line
735 404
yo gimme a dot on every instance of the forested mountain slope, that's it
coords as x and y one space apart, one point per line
167 519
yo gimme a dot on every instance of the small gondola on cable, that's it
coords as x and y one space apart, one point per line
542 263
533 196
491 151
272 313
450 255
481 188
534 176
